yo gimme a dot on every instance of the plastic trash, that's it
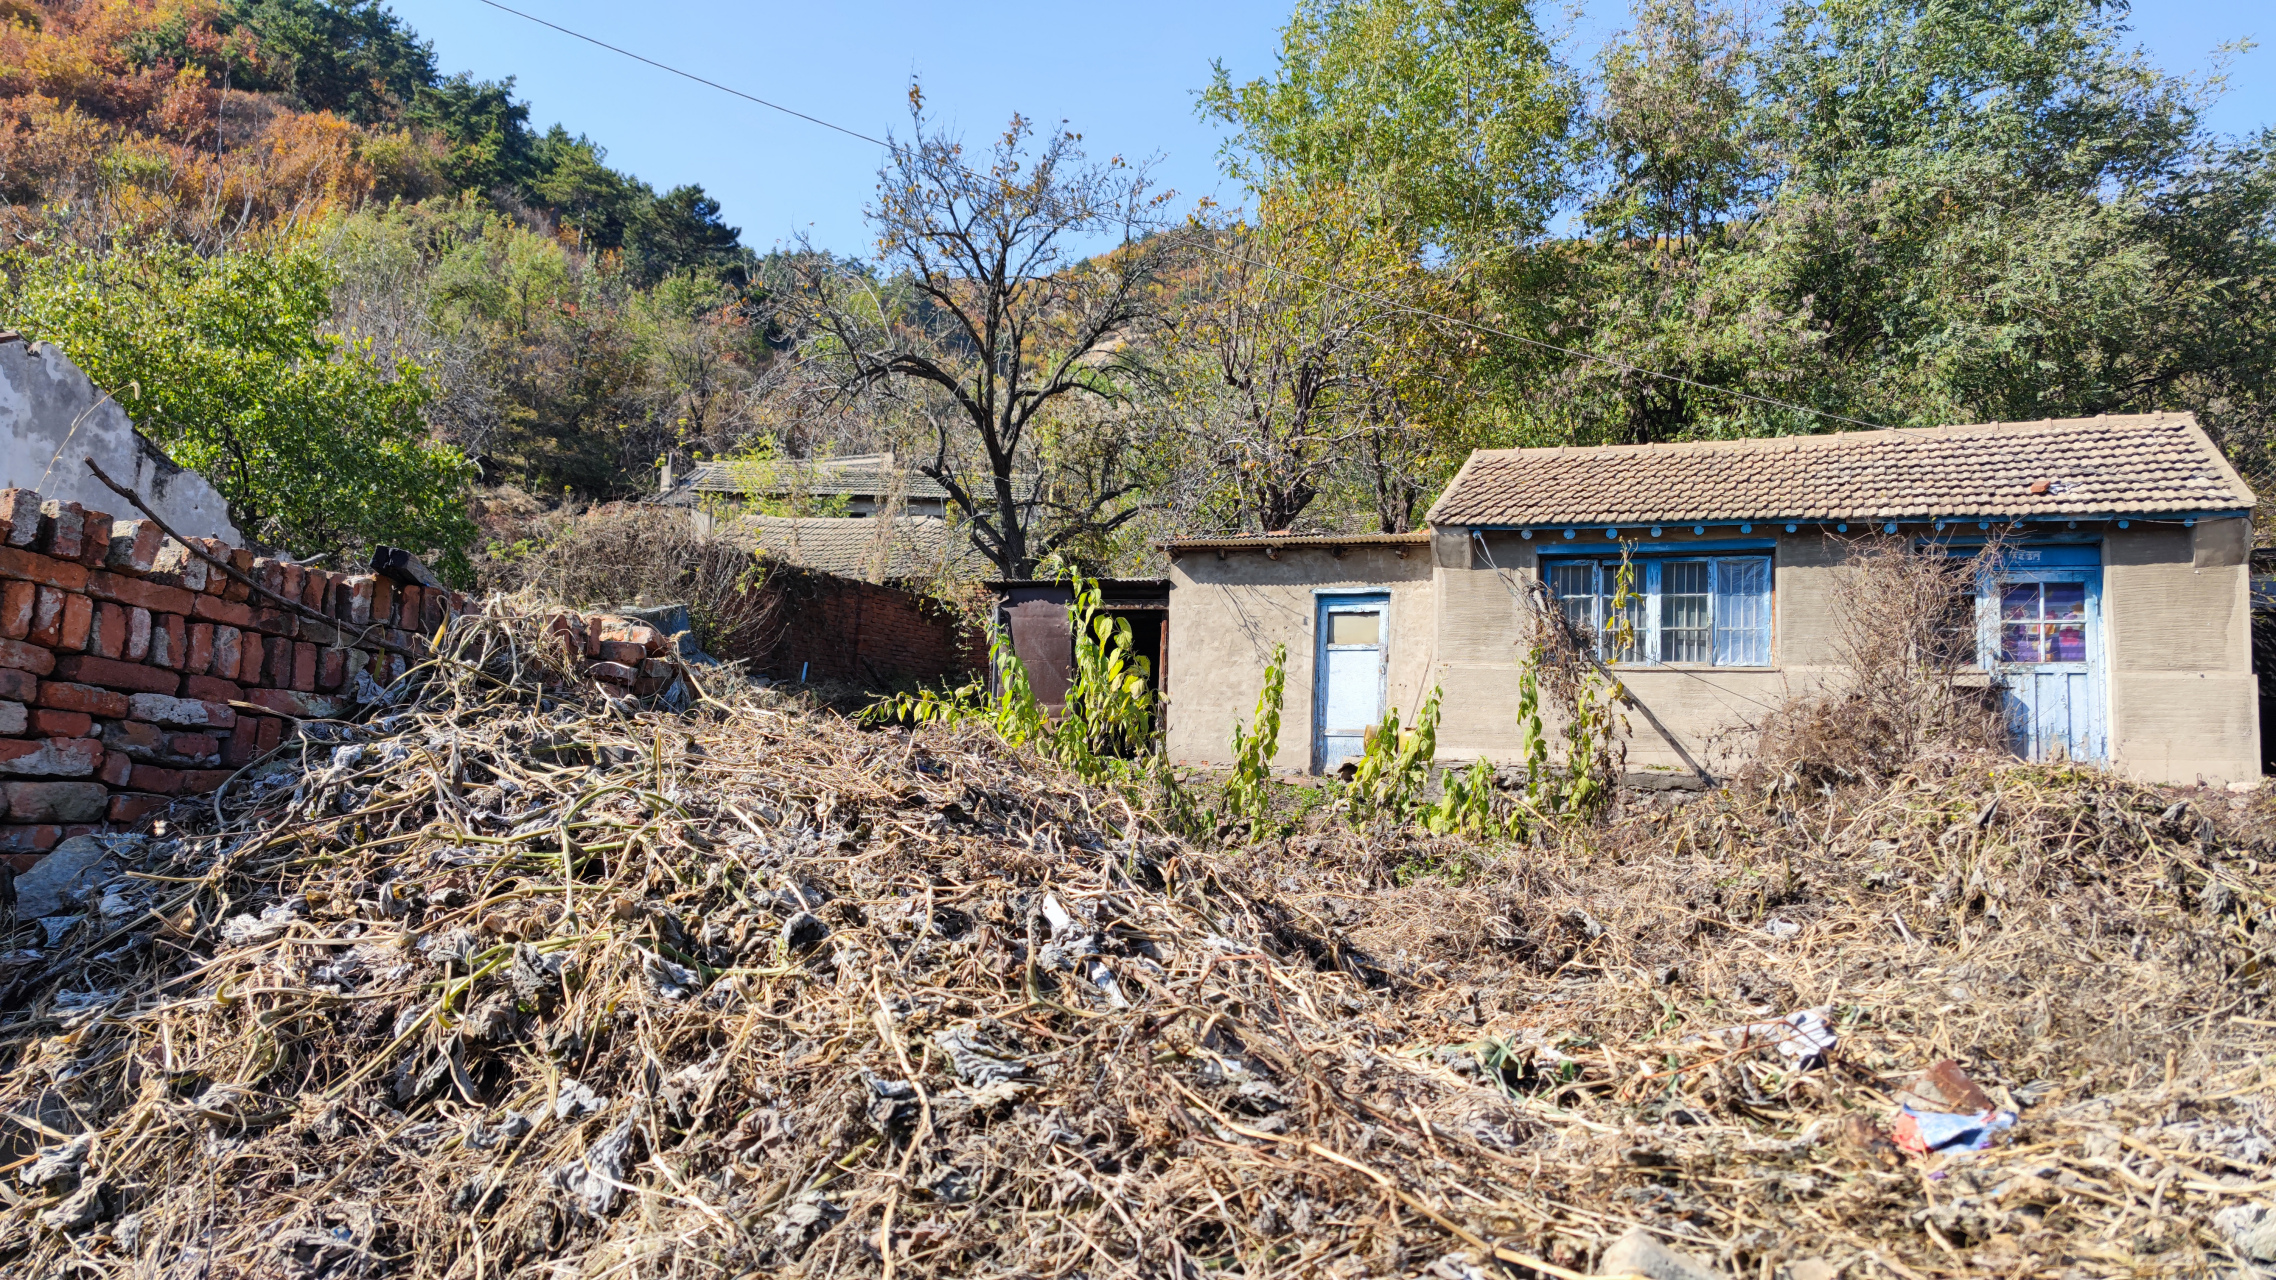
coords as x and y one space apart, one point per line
1921 1132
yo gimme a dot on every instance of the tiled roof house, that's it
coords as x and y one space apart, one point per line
2117 627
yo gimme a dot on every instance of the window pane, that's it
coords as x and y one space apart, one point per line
1574 587
1626 625
2065 599
2069 644
2018 601
1355 628
1742 612
2020 642
1686 612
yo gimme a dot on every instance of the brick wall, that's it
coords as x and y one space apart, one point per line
860 632
121 655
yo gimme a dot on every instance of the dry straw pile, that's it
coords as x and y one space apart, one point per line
511 982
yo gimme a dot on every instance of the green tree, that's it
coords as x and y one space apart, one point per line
353 57
681 231
487 131
316 444
1450 114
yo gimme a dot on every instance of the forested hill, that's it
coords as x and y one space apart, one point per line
202 117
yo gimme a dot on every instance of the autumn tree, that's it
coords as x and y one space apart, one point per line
1008 290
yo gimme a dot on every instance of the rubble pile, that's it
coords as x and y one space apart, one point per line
515 979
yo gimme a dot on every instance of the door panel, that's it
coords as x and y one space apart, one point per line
2047 650
1349 699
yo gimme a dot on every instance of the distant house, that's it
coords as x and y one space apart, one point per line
2118 626
868 483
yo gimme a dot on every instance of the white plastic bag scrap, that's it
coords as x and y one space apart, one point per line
1803 1037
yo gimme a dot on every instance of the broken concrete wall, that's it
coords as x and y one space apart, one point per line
52 418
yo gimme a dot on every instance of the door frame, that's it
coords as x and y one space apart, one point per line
1326 602
2097 643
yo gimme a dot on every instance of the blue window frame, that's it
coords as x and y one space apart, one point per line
1677 610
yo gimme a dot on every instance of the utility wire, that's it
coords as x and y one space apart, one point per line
1230 256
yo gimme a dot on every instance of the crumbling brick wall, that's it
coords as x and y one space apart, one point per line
132 672
841 629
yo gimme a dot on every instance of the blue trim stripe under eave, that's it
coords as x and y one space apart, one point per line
1777 522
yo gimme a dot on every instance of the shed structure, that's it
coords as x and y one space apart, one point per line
2117 628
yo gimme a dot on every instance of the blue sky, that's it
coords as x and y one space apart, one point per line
1124 76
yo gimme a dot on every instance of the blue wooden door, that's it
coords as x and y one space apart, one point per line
1349 698
2047 647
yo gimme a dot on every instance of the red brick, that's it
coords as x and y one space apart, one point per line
16 838
640 633
26 657
623 651
316 591
50 757
242 561
382 600
211 609
55 801
137 635
47 619
243 743
271 733
406 611
142 594
219 550
63 529
131 676
18 686
78 620
132 808
226 653
210 689
200 660
19 517
116 766
195 745
61 724
434 606
276 662
107 638
17 600
290 583
175 652
58 695
150 777
331 669
134 546
275 622
613 672
249 658
201 781
353 600
304 667
95 539
46 571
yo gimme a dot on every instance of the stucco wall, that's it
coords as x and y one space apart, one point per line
2177 641
52 419
2177 607
1226 614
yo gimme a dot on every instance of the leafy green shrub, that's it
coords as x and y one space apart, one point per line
1248 792
1106 728
1391 775
317 443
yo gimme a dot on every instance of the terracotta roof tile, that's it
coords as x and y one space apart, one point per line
2119 465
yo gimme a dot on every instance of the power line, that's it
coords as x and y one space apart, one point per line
1315 281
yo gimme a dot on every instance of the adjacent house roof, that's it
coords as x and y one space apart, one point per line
873 548
869 475
2116 465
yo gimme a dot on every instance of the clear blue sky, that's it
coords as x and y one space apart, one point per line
1124 76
